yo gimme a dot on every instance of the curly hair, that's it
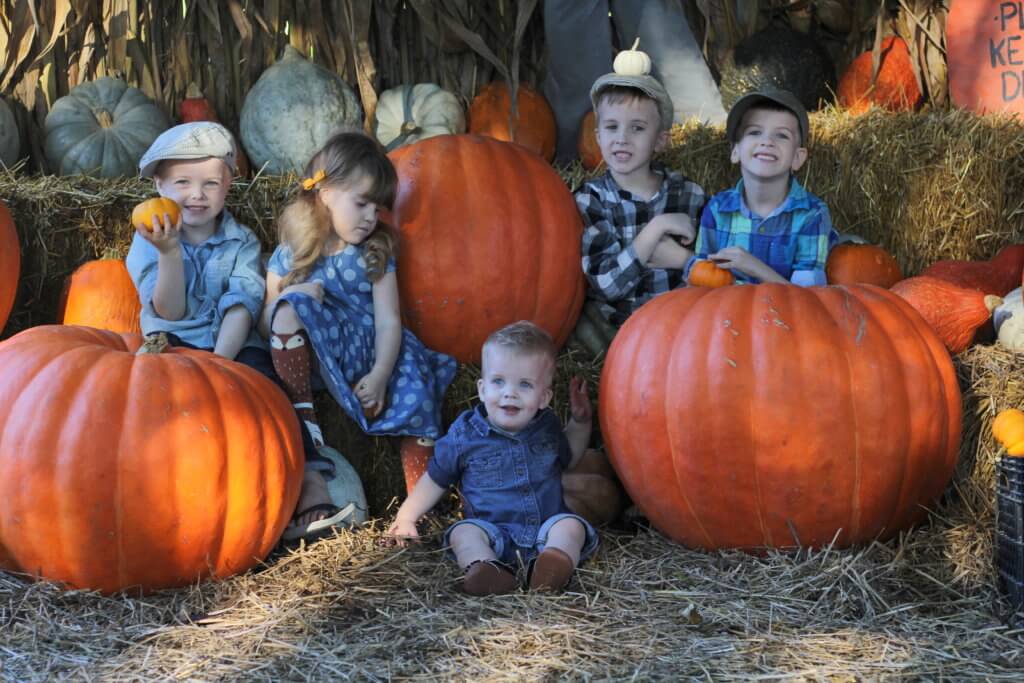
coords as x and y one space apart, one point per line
305 224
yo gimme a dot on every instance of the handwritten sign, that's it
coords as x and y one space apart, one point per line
985 54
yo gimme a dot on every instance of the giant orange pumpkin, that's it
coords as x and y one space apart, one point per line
895 87
490 235
534 124
771 415
10 264
101 294
123 471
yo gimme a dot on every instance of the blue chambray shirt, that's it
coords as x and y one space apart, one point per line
221 272
513 481
796 236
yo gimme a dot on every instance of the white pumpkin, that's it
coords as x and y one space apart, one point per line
410 113
1008 320
632 62
345 486
292 110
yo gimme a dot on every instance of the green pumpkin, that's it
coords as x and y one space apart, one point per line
102 128
292 110
410 113
10 141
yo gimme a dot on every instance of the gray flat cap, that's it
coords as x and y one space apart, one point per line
196 140
645 83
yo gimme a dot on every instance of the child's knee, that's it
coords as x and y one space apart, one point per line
285 318
569 528
467 535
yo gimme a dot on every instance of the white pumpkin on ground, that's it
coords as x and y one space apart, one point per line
1008 319
410 113
292 110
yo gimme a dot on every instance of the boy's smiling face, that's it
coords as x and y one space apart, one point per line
514 385
629 133
199 186
769 144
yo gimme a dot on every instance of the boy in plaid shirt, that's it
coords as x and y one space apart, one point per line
639 218
767 228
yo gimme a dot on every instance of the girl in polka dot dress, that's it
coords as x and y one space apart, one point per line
332 307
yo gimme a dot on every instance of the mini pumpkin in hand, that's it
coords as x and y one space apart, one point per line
152 210
707 274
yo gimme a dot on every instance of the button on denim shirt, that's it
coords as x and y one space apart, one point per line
221 272
513 481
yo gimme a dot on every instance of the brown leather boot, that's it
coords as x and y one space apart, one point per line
488 577
415 453
551 570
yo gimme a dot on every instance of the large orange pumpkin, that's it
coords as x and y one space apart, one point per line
851 264
101 294
125 471
895 87
771 415
10 264
490 235
533 127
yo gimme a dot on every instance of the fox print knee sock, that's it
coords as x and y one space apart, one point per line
291 356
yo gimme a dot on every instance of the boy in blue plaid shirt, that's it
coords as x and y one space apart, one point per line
767 228
639 218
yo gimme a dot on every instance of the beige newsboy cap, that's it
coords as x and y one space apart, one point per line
196 140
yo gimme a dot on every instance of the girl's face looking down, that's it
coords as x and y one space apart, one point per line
353 216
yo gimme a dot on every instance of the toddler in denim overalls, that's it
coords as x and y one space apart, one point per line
507 455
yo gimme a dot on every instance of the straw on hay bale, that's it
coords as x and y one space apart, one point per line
923 605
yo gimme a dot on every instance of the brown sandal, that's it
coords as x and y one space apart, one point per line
488 577
551 570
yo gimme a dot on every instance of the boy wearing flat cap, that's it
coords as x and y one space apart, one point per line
767 228
639 218
200 279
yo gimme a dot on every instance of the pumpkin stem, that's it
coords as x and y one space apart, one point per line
409 127
104 118
193 92
636 43
991 301
155 343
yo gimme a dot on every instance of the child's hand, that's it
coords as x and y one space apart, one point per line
314 289
371 390
742 261
680 225
579 401
165 236
402 531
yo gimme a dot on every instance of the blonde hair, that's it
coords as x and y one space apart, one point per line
524 338
305 224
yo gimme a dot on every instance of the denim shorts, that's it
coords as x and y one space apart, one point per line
515 555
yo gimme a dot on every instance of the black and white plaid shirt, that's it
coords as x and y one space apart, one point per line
612 218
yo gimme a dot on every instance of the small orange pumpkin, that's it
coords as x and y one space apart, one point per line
534 127
708 274
101 294
952 311
851 264
152 210
586 143
1008 430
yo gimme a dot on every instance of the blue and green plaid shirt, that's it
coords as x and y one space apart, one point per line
795 238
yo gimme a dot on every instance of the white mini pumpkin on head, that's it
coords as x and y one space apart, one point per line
632 62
